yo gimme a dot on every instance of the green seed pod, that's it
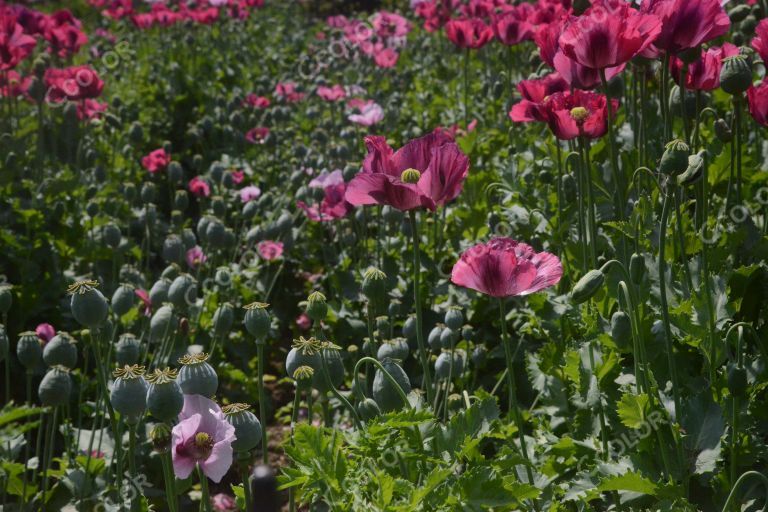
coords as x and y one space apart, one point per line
4 343
434 338
392 215
61 350
123 299
148 192
284 222
637 268
393 349
161 437
385 394
368 409
467 332
88 305
129 393
675 158
6 298
257 321
621 330
723 131
317 307
29 351
127 350
183 291
335 371
161 323
181 200
164 396
250 209
218 206
223 319
394 308
247 427
443 364
111 235
202 228
216 234
737 381
158 294
175 172
173 249
479 356
136 132
375 286
448 338
735 75
454 318
409 328
739 12
587 286
748 25
305 352
55 388
197 377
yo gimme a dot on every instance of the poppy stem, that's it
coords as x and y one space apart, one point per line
466 88
417 305
205 500
262 401
739 484
584 143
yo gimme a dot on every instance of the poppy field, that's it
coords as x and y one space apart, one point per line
393 255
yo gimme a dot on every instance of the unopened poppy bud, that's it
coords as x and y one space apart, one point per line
621 330
88 305
127 350
161 437
164 396
303 374
6 298
257 321
247 427
196 376
317 307
736 75
375 285
368 409
148 192
123 299
129 393
636 268
61 351
410 176
587 286
723 131
675 158
382 325
55 388
454 318
738 13
579 114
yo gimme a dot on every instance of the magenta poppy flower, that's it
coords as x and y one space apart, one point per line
156 161
333 206
385 57
534 92
389 24
255 101
470 33
686 24
65 38
758 103
12 84
504 268
287 91
608 37
577 114
546 38
331 94
257 135
270 250
760 42
45 332
195 257
202 438
441 165
581 77
237 176
249 193
703 74
303 322
145 300
511 29
74 83
199 187
88 110
15 45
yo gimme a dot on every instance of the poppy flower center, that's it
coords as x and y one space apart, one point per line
410 176
579 114
200 446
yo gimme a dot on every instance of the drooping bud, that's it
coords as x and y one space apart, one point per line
587 286
675 158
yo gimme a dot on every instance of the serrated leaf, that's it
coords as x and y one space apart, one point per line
632 409
631 481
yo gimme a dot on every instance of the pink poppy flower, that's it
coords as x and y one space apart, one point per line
704 73
579 76
686 24
504 268
287 91
12 84
757 98
331 94
249 193
196 256
270 250
470 33
202 438
511 28
45 332
257 135
760 42
389 24
578 113
237 176
333 205
370 114
90 109
15 45
534 92
144 297
74 83
385 57
255 101
156 161
303 322
199 187
223 503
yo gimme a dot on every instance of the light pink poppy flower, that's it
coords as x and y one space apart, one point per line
202 438
270 250
45 332
249 193
327 179
223 502
504 268
196 256
303 322
144 297
370 114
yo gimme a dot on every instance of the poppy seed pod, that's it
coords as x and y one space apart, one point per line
197 377
393 349
127 350
368 409
61 351
386 396
4 343
375 286
736 75
317 307
55 388
148 192
448 338
161 436
409 328
305 352
171 271
723 131
88 305
335 368
29 351
181 200
164 396
434 337
218 206
394 308
479 356
443 364
738 13
675 158
129 393
161 323
257 321
6 298
183 291
173 249
621 330
467 332
216 234
123 299
159 291
111 235
587 286
223 318
454 318
247 427
175 172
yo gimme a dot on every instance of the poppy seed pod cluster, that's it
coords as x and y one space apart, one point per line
129 393
164 396
247 426
197 376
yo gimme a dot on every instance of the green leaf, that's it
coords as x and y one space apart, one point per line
632 482
632 409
